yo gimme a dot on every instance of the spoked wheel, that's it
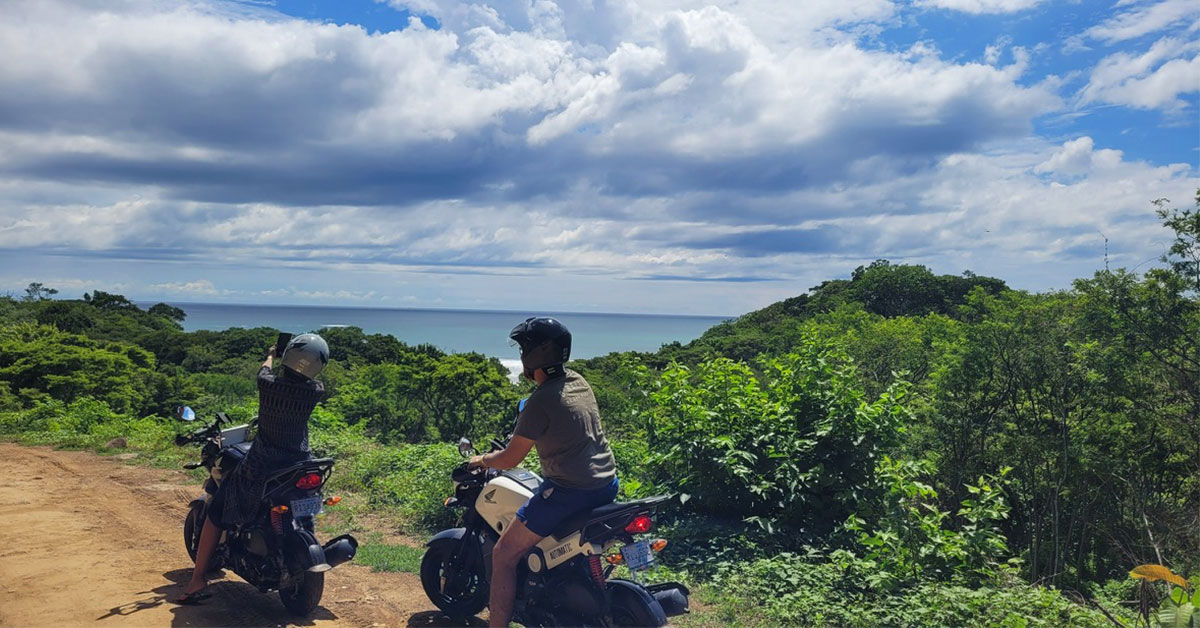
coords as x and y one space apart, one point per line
302 598
460 591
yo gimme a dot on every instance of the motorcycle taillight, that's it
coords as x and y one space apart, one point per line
641 524
308 481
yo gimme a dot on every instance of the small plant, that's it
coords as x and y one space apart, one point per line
1179 609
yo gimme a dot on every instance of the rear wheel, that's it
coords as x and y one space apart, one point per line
305 595
460 591
630 610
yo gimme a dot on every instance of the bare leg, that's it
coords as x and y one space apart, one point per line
209 535
509 550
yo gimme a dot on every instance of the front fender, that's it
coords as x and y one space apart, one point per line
454 534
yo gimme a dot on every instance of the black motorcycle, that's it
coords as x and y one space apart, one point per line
278 550
565 580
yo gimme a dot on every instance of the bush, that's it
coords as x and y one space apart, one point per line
807 592
795 445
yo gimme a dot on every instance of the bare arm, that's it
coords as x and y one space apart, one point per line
507 458
270 357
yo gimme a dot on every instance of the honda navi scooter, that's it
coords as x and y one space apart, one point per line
565 580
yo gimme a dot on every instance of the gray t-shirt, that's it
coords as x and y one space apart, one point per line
562 420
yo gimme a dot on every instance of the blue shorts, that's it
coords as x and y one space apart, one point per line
552 504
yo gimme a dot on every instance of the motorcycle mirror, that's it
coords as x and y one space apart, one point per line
185 413
465 448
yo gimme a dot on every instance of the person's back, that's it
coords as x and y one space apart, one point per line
563 420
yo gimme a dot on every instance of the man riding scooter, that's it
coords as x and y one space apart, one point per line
562 420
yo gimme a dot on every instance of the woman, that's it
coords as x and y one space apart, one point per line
284 405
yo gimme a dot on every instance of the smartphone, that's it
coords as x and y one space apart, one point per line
281 343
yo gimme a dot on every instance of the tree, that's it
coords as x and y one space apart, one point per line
107 301
168 311
38 292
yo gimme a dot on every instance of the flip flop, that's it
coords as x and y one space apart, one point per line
193 598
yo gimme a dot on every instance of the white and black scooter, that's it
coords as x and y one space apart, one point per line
565 580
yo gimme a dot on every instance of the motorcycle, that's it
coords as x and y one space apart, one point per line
565 580
278 549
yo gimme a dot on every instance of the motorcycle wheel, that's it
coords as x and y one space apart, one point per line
192 525
302 598
628 611
433 579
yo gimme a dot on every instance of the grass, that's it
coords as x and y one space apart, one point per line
387 557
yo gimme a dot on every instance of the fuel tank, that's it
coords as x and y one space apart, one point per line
501 497
228 460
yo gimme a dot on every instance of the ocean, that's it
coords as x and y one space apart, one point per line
458 331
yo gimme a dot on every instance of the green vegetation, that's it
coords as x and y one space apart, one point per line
896 449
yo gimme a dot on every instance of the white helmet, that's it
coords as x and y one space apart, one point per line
306 355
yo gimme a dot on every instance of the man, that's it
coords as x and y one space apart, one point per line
561 419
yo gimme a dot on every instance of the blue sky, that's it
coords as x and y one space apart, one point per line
668 156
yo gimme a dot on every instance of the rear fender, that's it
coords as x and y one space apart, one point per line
618 588
303 552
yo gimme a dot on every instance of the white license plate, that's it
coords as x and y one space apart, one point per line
306 507
637 556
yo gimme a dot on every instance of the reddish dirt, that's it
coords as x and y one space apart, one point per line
89 541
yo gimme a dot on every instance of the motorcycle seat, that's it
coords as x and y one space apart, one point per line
606 518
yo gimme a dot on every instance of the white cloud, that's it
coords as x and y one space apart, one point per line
200 287
1151 80
1145 18
589 145
1078 157
980 6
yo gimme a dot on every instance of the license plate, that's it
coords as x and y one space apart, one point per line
306 507
637 556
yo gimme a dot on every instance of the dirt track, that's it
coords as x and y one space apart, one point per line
89 541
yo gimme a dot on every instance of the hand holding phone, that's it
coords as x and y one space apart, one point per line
281 343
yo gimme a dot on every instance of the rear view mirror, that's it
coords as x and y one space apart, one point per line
185 413
465 448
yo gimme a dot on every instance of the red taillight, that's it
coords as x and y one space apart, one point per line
641 524
308 481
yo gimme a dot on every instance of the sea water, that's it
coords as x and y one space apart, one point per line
458 331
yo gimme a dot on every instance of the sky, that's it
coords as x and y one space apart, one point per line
644 156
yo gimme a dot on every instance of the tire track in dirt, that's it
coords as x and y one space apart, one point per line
88 541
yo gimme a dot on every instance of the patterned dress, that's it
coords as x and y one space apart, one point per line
284 405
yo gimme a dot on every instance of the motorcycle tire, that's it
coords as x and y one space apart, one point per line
630 611
192 525
302 598
457 607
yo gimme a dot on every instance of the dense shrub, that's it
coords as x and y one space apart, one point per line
796 444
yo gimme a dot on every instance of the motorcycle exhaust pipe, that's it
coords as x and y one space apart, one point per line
672 596
306 552
339 550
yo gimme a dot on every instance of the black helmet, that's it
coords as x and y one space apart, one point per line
305 355
544 343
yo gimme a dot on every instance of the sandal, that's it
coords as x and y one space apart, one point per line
192 598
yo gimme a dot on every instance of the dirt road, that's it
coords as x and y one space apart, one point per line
89 541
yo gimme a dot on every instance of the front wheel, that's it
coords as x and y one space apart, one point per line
302 598
192 526
460 591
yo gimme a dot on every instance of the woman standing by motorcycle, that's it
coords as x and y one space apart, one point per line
285 403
